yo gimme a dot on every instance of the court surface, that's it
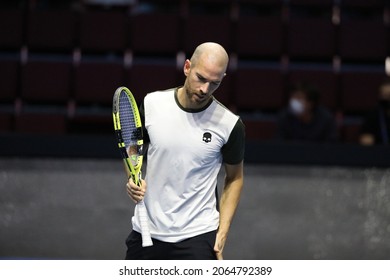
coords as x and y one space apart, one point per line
78 209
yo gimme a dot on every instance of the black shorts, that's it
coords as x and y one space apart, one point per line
200 247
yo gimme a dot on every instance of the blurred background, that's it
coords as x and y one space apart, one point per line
61 181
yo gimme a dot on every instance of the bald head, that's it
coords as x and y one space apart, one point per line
204 73
212 53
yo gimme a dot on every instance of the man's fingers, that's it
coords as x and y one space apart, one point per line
218 253
135 189
134 192
141 186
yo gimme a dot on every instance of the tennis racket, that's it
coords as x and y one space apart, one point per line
128 130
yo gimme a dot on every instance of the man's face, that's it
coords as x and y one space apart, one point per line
202 80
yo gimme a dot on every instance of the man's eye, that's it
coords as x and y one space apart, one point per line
202 79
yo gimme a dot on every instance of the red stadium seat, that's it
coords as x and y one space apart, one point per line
363 3
96 82
51 30
94 87
259 37
349 132
155 34
9 76
200 28
311 38
11 29
41 123
359 89
151 75
258 88
103 31
362 40
322 3
6 122
90 124
45 81
260 129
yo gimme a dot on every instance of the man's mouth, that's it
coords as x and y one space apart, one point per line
200 97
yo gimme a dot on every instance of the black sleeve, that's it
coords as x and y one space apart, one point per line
144 130
234 149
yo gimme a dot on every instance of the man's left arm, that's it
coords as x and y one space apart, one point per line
234 181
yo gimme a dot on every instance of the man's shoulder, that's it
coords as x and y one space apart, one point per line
225 109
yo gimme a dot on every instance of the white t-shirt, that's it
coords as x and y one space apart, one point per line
184 158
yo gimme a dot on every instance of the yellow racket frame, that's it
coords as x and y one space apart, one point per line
133 171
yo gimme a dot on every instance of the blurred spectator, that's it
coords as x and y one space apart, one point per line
376 126
305 119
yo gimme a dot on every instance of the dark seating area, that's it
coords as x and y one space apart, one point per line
64 59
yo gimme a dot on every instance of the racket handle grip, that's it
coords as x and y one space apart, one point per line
143 218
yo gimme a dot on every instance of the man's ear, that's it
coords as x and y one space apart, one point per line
187 67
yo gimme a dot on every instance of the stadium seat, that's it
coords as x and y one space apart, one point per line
208 6
359 89
9 76
349 133
11 29
201 28
6 122
363 33
311 38
150 75
317 3
362 40
46 81
259 37
362 3
155 34
258 88
90 124
96 82
41 123
260 129
261 3
51 30
103 31
324 80
160 6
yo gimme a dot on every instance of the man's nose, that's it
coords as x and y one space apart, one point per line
205 87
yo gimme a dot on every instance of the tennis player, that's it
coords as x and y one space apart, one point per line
190 135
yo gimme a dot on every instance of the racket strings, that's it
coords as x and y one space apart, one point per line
130 133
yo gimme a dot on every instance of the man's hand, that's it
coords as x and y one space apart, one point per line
136 193
219 245
234 181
